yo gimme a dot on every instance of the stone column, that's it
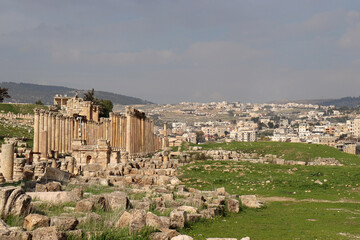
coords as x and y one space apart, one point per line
41 126
62 135
53 126
57 134
66 134
36 129
43 146
49 132
128 132
7 161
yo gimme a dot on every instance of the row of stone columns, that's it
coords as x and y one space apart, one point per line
52 133
133 132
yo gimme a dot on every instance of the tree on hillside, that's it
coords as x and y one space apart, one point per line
4 94
39 102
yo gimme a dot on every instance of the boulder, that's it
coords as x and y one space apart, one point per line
33 221
53 187
221 191
233 205
182 237
64 223
177 219
104 182
124 220
159 236
249 201
117 200
175 181
154 221
84 206
47 233
137 221
188 209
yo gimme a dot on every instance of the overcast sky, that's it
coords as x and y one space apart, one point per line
198 50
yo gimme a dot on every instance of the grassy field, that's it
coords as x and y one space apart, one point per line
20 108
287 151
8 130
300 202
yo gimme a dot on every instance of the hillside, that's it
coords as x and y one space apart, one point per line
340 102
29 93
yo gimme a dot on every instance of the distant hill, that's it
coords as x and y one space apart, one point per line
29 93
340 102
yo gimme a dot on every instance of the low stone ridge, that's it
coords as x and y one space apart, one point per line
226 155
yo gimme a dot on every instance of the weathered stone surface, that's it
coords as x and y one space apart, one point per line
47 233
64 223
54 174
33 221
233 205
159 236
249 201
104 182
14 201
165 222
84 206
182 237
137 221
222 239
193 217
154 221
53 187
40 188
188 209
124 220
177 219
117 200
221 191
55 197
175 181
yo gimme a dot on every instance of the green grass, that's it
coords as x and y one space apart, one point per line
274 180
20 108
287 151
284 220
327 211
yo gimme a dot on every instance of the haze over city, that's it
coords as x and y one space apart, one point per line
173 51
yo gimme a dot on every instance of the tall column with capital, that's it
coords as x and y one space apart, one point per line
36 129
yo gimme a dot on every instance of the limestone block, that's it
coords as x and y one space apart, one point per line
33 221
117 200
177 219
124 220
64 223
233 205
249 201
84 206
137 221
182 237
154 221
45 233
193 217
188 209
55 197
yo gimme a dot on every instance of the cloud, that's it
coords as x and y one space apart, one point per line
351 39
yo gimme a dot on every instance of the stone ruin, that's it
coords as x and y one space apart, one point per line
256 158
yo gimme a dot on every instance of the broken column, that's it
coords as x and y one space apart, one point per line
7 161
43 146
